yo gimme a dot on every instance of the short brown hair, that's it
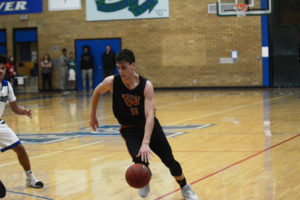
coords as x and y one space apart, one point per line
125 55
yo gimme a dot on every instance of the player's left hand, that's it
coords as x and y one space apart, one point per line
145 152
28 113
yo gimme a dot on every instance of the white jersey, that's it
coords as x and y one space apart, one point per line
6 95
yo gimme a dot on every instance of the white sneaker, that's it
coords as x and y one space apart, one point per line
143 192
35 183
188 194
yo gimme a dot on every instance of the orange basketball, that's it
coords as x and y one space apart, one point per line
138 175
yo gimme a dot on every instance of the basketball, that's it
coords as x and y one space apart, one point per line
138 175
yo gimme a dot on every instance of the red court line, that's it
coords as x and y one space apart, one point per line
229 166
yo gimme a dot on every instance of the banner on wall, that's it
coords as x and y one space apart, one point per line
8 7
54 5
101 10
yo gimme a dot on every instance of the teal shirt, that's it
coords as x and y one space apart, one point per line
72 64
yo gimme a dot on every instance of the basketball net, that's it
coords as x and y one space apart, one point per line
241 9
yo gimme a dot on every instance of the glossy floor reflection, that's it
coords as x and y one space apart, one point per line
232 145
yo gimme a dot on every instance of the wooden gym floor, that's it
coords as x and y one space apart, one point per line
232 145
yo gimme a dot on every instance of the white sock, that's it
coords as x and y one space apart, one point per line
29 174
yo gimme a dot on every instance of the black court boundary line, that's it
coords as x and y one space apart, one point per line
229 166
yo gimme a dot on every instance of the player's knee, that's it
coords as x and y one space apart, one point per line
19 149
174 167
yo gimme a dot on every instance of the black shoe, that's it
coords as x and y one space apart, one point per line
2 190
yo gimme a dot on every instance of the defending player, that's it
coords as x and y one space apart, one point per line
8 139
133 106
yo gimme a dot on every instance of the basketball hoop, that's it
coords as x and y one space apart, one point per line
241 9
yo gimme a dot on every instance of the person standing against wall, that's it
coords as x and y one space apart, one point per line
46 65
64 62
108 61
11 69
86 67
72 72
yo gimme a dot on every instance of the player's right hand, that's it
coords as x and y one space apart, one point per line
94 123
28 113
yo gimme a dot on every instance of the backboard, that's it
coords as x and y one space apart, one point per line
256 7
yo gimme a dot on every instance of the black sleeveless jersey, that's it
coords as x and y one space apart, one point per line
129 105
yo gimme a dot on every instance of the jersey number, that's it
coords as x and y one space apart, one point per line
134 111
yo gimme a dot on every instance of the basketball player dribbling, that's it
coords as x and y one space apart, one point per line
8 139
133 106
